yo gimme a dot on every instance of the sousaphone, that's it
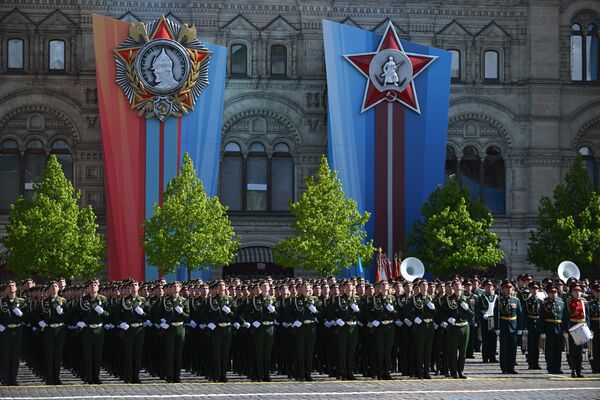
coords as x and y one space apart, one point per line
412 268
568 269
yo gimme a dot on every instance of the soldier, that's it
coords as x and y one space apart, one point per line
594 345
532 329
457 312
52 316
380 315
422 311
220 315
11 333
303 312
577 313
91 314
552 315
343 315
473 325
485 315
509 322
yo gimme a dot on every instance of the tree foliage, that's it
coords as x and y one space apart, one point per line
50 236
568 225
190 228
329 230
454 234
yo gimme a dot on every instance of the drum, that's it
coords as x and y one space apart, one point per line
580 333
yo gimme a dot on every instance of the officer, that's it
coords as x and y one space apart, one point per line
532 329
485 315
509 318
421 312
473 324
343 314
303 311
594 305
577 313
11 333
52 316
457 312
221 314
552 315
380 315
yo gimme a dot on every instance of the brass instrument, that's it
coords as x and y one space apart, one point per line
412 268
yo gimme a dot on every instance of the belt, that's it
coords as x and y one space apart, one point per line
55 325
577 321
595 318
137 325
428 320
508 318
11 326
464 323
266 323
350 322
308 321
94 326
386 322
553 321
177 323
224 324
533 316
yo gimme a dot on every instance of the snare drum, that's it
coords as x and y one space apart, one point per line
581 334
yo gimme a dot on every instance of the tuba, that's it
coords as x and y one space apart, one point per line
568 269
412 268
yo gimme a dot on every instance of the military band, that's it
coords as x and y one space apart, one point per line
294 328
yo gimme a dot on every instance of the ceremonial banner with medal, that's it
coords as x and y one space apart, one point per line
388 117
160 95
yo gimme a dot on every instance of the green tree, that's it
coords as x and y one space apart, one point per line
568 225
50 236
190 228
329 230
454 235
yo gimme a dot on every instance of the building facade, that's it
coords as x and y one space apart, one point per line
525 99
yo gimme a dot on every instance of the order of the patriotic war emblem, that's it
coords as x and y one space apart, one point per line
162 67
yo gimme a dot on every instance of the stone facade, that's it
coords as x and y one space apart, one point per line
533 113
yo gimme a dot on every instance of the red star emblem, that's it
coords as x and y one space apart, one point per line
407 95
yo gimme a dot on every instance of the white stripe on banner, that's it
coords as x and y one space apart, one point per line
390 178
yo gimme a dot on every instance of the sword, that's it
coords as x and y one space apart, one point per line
524 341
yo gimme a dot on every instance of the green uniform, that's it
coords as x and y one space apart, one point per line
473 326
380 315
132 313
594 304
532 331
489 339
11 337
509 320
344 317
171 314
52 317
553 317
421 315
220 315
457 311
262 331
302 317
91 314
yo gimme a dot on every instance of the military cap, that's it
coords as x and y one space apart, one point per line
507 282
552 287
534 284
575 287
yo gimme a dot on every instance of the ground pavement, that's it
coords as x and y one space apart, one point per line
485 383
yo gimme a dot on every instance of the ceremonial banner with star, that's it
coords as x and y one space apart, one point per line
146 132
387 124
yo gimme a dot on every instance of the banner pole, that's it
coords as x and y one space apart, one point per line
390 177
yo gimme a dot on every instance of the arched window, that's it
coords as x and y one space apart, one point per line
239 61
257 179
15 57
282 178
470 172
494 181
56 55
278 60
232 178
451 164
584 52
63 154
35 164
10 173
590 164
455 66
491 65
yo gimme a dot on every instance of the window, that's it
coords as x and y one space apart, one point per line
451 164
491 65
469 172
10 173
278 60
239 61
56 55
282 178
231 177
584 52
15 54
494 177
455 68
256 179
35 164
61 149
590 165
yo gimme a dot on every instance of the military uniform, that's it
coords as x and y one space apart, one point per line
594 305
260 320
132 313
52 317
577 313
11 337
457 311
302 316
532 331
171 314
422 311
509 320
553 316
343 316
220 317
91 314
488 328
381 315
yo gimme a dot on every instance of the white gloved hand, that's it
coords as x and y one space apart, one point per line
256 324
33 328
543 336
202 326
333 323
430 305
81 324
312 309
163 320
99 309
58 309
359 323
164 325
389 307
124 326
2 328
147 323
139 310
354 306
271 308
179 309
464 305
276 322
236 325
193 324
444 324
157 326
497 331
285 325
375 323
226 309
398 322
42 324
525 331
408 322
340 322
211 326
475 324
451 321
327 324
519 332
297 324
369 325
17 311
418 321
246 325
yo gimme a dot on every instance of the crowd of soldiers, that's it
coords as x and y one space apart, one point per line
292 327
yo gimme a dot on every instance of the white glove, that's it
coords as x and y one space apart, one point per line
435 326
519 332
430 305
398 322
333 323
226 309
444 324
375 323
179 310
451 320
418 321
246 325
124 326
163 320
389 307
193 324
359 323
256 324
139 310
276 322
369 325
164 325
285 325
297 324
236 325
202 326
354 306
157 326
525 332
271 308
340 322
211 326
33 328
147 323
408 322
475 324
42 324
543 336
497 331
17 311
99 309
327 324
312 309
81 324
464 305
59 309
2 328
